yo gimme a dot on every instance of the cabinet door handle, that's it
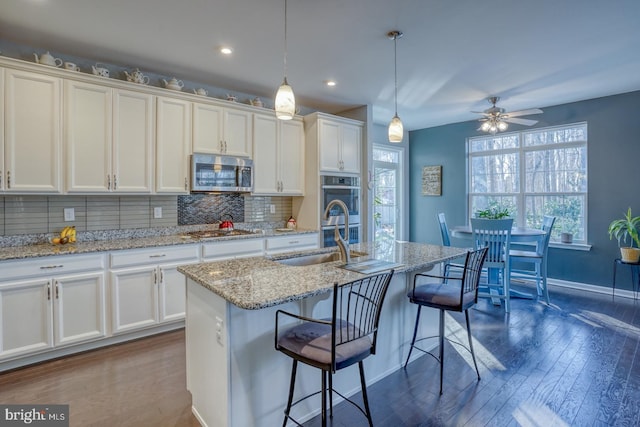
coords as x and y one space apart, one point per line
161 276
8 179
185 184
155 277
115 182
48 291
294 242
57 289
48 267
157 256
108 182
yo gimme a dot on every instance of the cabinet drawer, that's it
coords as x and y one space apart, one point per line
159 255
292 243
50 266
232 249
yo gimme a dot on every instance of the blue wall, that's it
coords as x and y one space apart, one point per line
614 181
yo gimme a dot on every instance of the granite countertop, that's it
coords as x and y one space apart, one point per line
132 241
259 282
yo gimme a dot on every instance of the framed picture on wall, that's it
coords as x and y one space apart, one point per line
432 180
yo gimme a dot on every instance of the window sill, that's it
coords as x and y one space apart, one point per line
559 245
571 246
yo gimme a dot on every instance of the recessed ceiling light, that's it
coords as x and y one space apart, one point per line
330 83
225 50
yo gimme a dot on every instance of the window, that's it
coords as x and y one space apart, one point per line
386 195
533 173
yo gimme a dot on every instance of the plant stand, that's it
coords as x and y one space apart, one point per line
635 275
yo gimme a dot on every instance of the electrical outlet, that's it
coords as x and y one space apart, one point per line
272 209
69 214
157 212
219 331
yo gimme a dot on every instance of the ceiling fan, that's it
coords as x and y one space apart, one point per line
496 119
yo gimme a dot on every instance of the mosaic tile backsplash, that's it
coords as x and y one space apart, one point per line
23 215
211 208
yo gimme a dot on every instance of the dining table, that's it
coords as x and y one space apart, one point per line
518 234
523 235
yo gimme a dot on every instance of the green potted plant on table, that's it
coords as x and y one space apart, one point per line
625 229
493 212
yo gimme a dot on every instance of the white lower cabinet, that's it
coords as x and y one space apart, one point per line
51 302
298 242
146 288
51 305
215 251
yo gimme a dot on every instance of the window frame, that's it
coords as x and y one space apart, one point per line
521 195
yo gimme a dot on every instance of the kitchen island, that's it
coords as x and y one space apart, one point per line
236 377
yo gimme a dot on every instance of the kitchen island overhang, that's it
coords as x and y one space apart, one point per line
234 374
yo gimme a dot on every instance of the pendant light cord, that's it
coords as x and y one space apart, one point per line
285 40
395 70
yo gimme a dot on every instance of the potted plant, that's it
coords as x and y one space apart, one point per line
625 229
493 212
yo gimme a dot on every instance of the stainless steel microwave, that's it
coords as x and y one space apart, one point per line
210 172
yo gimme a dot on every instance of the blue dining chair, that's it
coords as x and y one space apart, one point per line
538 258
494 234
446 241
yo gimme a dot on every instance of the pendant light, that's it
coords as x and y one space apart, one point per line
285 103
396 130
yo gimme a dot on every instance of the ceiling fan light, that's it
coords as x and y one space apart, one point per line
485 126
396 130
285 103
502 126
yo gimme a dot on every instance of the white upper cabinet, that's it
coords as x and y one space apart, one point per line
109 136
291 157
340 145
278 148
31 153
89 127
2 130
351 147
329 146
219 130
173 139
133 136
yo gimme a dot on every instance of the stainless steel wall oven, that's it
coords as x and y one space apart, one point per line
346 189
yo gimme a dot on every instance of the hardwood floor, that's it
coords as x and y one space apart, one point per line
574 363
140 383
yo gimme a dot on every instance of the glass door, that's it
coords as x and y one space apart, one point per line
386 195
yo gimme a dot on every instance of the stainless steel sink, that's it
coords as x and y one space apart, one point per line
370 266
314 259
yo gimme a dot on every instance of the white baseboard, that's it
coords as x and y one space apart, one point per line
584 287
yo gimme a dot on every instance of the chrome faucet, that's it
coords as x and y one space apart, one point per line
343 243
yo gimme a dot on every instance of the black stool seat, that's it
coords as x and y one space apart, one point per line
440 295
311 342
